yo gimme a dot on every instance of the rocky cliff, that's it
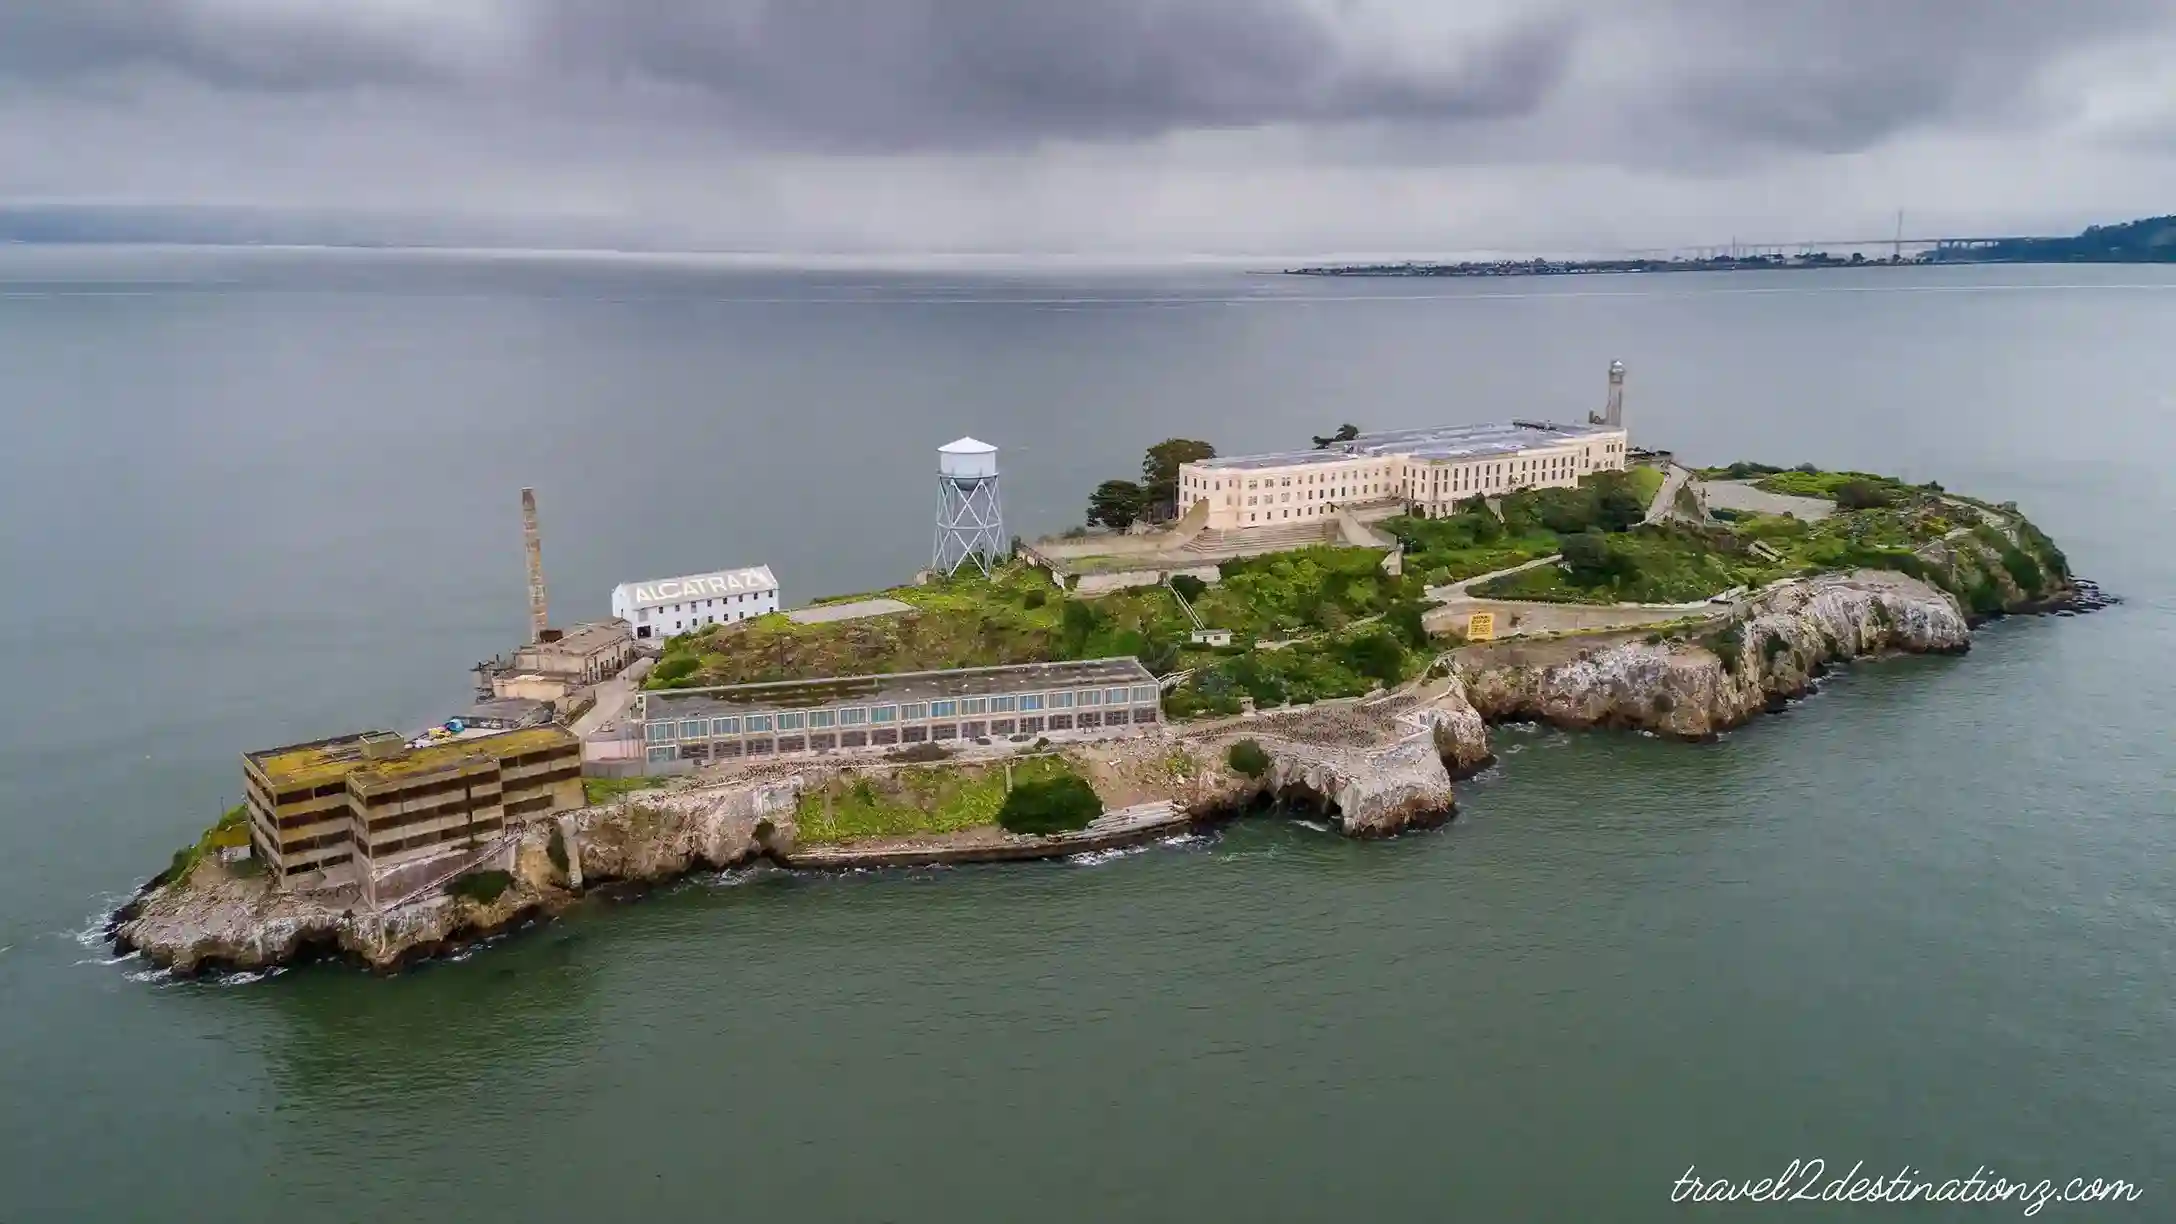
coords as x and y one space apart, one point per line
1695 686
217 921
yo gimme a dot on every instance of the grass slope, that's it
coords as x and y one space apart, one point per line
927 799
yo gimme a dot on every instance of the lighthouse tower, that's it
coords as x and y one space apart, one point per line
1613 414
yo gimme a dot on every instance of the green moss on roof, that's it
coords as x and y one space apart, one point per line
325 761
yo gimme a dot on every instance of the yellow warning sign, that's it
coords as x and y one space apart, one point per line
1481 627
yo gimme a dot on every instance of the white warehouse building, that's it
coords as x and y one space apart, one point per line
665 606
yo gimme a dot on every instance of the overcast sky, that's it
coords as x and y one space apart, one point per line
1105 126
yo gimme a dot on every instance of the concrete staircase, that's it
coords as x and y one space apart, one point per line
1263 539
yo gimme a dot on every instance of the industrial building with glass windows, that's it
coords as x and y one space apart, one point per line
685 728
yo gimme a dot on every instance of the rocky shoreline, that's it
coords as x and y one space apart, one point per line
1377 768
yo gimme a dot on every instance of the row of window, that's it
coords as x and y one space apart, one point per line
666 730
1203 485
725 749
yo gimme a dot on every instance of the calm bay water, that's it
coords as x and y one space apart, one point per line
1922 919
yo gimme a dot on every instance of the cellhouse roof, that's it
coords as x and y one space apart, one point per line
1435 442
903 686
660 591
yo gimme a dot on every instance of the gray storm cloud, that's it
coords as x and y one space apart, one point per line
739 115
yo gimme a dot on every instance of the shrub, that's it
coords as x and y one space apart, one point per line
2051 557
1034 598
1064 804
1742 470
1984 596
482 887
918 753
1406 619
674 668
1248 757
1590 560
2024 571
1862 495
1728 644
1653 639
1189 586
1377 656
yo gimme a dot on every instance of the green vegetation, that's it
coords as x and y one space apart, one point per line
1160 472
1654 563
1344 433
2051 559
1046 806
1727 644
605 790
1116 504
1738 471
229 831
2023 570
1773 647
1849 490
1248 757
1644 482
482 887
1880 523
1469 543
920 800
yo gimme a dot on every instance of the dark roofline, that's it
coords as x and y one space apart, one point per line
893 677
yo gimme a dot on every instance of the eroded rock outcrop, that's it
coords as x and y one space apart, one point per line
670 833
1696 687
216 921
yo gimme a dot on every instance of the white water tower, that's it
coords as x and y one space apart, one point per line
970 523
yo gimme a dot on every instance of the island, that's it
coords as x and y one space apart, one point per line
1219 642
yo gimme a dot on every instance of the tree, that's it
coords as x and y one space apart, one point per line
1376 656
1862 495
1590 560
1407 618
1064 804
1617 505
1116 503
1160 473
1345 433
1247 757
1077 622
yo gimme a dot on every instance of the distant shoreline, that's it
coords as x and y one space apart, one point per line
1620 267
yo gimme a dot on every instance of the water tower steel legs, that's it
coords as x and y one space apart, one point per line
970 525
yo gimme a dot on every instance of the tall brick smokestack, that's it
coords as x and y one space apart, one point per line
535 545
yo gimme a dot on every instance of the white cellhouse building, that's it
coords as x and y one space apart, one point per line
665 606
1433 469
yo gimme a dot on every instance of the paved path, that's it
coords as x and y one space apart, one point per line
1666 496
1741 495
1457 590
613 698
